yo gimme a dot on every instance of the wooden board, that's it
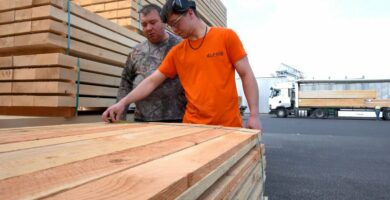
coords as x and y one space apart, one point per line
338 94
156 160
384 103
225 185
344 103
347 103
45 100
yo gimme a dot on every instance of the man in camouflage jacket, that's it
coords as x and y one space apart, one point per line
167 102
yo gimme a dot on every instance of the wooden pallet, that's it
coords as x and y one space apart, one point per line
131 161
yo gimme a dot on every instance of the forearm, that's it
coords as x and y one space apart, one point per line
251 91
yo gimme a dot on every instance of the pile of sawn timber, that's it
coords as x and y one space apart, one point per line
125 12
38 64
121 12
131 161
342 98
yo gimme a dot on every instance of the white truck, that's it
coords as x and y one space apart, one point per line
330 98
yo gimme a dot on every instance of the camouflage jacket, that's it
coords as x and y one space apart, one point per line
166 102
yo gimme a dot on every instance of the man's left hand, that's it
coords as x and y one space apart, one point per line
254 122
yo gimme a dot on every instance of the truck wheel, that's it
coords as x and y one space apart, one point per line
281 112
386 114
319 113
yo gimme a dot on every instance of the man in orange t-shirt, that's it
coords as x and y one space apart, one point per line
205 62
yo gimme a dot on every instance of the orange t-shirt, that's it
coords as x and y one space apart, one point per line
208 77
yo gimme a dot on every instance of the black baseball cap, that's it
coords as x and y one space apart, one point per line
177 7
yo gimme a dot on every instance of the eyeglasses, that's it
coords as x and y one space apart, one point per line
176 22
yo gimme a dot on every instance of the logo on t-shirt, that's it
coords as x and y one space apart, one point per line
215 54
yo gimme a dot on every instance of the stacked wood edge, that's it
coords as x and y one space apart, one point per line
39 65
342 98
131 161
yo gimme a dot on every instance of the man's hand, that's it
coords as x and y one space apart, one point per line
113 112
254 122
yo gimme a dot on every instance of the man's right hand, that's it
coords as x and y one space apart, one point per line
113 112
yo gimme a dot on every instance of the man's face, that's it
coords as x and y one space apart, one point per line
152 27
179 24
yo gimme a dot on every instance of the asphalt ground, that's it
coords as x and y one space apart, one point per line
326 158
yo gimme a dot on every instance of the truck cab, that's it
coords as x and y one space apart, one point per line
282 99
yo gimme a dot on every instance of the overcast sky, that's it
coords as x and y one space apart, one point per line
322 38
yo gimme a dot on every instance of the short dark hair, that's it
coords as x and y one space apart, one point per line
176 7
145 10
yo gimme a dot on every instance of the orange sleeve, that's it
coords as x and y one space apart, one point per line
167 66
234 47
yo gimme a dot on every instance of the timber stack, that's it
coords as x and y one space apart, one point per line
39 62
131 161
58 58
125 12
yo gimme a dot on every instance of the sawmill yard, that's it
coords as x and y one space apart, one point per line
59 59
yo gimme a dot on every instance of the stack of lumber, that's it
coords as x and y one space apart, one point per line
341 98
125 12
131 161
122 12
213 12
38 77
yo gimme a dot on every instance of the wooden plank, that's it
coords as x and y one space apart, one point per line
338 94
34 111
6 74
6 61
8 16
15 135
246 188
100 133
96 102
5 88
200 187
128 22
258 191
181 170
52 101
77 10
100 79
52 156
323 103
225 185
57 59
43 101
53 73
98 90
8 5
121 5
104 29
52 41
91 2
95 8
76 33
384 103
15 28
51 182
24 14
50 11
43 87
114 14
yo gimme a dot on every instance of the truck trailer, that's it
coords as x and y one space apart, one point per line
329 98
